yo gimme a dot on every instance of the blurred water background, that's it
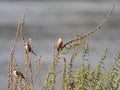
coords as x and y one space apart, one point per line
46 21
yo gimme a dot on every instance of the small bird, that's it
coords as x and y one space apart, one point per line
59 43
28 48
18 74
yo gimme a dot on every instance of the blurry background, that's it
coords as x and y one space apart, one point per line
47 20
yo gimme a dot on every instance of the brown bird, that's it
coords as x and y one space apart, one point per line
18 74
59 43
28 48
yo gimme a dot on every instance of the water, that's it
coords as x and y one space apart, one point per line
46 21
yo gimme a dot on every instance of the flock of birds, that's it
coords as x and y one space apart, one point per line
17 74
59 44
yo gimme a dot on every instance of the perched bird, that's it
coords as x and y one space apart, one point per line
28 48
59 43
18 74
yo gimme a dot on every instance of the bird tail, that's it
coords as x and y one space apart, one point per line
34 53
23 77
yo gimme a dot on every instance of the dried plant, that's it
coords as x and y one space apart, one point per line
79 39
84 78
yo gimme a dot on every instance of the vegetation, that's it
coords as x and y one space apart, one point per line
83 78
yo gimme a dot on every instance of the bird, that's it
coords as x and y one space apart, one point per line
18 74
28 48
59 43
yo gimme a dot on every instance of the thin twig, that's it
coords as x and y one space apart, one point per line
10 66
63 79
93 30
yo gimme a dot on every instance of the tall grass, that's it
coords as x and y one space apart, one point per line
83 78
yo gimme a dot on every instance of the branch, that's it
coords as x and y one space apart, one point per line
81 37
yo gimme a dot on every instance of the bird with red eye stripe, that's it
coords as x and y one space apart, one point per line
59 43
18 74
28 48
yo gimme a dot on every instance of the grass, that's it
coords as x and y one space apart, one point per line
83 78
